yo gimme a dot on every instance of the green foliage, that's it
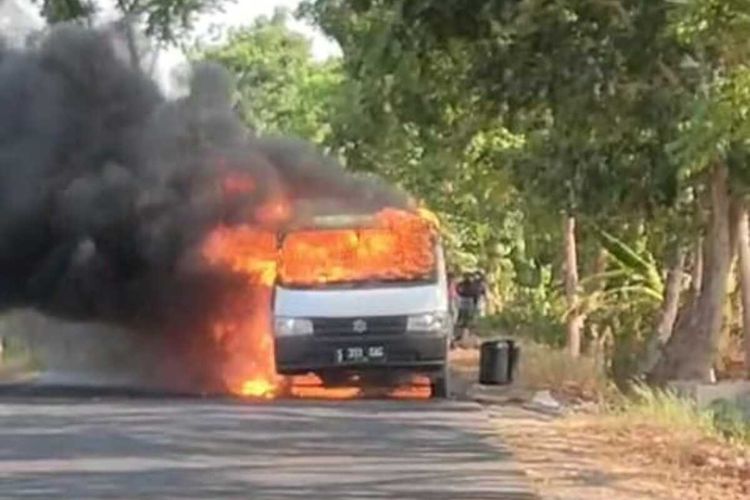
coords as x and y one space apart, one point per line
165 20
713 36
532 321
495 144
409 118
573 78
642 269
609 111
55 11
281 89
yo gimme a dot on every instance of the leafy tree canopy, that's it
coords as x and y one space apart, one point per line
165 20
282 89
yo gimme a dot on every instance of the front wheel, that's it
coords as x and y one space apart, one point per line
334 378
440 384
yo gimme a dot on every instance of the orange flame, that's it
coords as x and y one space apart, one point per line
245 250
311 387
398 246
244 329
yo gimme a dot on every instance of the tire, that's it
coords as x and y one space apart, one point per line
440 384
333 378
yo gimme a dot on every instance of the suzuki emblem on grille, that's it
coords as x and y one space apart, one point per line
359 326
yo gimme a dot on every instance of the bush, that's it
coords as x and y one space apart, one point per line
526 322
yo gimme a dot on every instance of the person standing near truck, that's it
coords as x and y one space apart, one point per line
471 291
465 309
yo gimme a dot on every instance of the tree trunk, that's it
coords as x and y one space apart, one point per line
597 284
743 269
696 275
690 352
574 320
668 313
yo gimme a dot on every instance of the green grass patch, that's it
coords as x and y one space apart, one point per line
645 405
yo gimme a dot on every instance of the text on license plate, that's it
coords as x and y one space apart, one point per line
350 354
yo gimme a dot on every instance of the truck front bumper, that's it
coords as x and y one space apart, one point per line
409 351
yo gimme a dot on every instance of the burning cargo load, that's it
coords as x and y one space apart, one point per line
392 245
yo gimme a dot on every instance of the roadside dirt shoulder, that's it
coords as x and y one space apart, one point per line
582 457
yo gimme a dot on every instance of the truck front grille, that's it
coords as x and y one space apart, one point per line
373 325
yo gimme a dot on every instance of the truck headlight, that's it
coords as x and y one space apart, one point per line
428 322
286 327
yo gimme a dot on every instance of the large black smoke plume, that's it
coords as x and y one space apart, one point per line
107 189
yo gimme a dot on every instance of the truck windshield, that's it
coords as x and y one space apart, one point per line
358 258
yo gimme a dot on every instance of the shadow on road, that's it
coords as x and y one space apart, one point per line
194 448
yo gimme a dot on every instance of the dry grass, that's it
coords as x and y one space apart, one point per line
14 369
652 446
543 367
564 459
661 408
465 359
659 429
648 444
690 460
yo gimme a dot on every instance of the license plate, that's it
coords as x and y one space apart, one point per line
360 354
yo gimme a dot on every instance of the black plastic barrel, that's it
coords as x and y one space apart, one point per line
497 362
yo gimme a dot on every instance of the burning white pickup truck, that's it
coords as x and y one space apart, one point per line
363 296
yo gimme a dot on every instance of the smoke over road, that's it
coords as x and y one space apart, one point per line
107 190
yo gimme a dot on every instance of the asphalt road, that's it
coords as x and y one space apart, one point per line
147 447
